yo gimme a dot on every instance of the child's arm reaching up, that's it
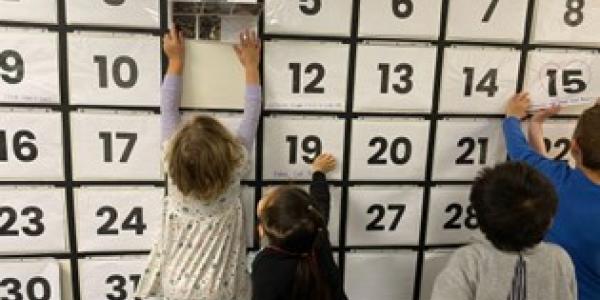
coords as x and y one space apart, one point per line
319 189
170 98
248 52
536 129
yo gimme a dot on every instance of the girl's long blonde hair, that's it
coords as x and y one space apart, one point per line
203 157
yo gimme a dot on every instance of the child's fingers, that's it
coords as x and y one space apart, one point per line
237 50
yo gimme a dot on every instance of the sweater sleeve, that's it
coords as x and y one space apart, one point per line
520 150
252 108
456 280
170 101
319 190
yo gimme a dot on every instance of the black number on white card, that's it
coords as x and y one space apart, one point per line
404 70
117 68
457 211
312 87
310 7
118 282
311 146
37 288
114 2
571 81
13 66
563 143
380 210
574 14
395 156
23 148
489 82
470 143
490 11
134 221
106 137
34 214
402 8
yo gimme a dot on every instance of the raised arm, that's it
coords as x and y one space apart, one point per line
248 52
319 189
518 147
170 98
536 129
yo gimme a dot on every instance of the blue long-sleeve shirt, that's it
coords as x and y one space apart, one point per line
576 226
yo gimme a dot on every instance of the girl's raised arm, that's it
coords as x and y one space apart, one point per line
170 98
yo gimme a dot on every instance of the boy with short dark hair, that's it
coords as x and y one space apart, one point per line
577 224
515 205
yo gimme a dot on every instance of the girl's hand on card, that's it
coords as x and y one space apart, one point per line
542 115
324 163
174 48
518 105
248 52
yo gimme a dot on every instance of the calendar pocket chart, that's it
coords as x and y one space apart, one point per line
292 144
562 77
117 218
477 80
382 275
109 278
115 146
569 22
249 207
32 220
400 18
28 66
463 147
315 17
139 13
28 11
493 20
405 74
389 149
384 216
452 218
30 279
31 145
114 69
305 75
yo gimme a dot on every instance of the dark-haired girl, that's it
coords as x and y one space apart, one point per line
297 263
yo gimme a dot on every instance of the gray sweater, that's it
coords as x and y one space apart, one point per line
481 272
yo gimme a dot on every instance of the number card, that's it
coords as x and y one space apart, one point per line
28 11
463 147
249 207
405 74
232 122
452 219
433 264
334 213
119 70
566 22
384 216
115 146
562 77
118 219
31 145
114 278
30 280
28 66
381 275
476 81
492 20
389 149
400 18
308 17
136 13
306 75
292 144
557 139
32 220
